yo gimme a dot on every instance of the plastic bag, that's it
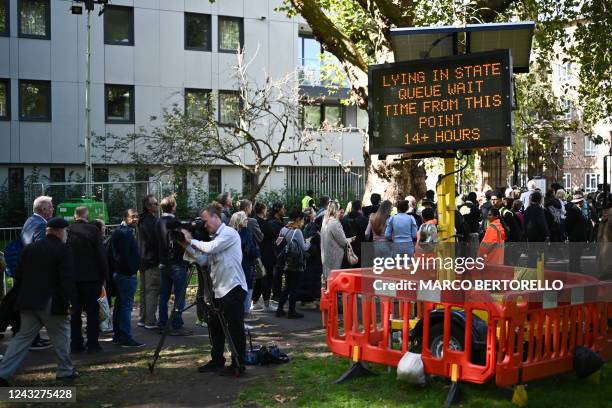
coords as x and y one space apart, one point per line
410 369
106 319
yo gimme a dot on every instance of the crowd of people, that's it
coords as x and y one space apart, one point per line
261 258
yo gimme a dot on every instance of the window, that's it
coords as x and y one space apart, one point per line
566 108
591 180
318 67
231 36
34 19
4 18
35 101
362 119
568 145
325 115
567 181
119 104
197 101
309 61
311 116
197 32
5 99
119 25
100 175
214 181
229 107
564 71
590 148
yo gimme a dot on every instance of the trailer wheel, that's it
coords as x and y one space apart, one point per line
436 339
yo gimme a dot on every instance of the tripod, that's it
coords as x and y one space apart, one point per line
209 310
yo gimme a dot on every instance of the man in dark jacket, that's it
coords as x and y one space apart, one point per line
536 228
126 261
172 269
34 230
45 276
355 225
149 263
91 271
576 227
371 209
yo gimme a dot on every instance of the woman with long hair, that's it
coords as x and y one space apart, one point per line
378 222
250 253
333 240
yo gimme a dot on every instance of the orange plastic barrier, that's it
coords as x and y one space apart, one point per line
512 336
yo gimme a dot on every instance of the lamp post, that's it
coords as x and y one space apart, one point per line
77 9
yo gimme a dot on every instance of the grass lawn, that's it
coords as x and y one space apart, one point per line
307 382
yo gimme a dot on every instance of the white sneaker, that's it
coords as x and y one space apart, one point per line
248 327
268 309
257 307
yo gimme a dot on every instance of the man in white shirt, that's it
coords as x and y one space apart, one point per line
229 286
531 186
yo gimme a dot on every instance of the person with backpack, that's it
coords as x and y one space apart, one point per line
250 253
492 245
33 230
91 271
172 269
292 261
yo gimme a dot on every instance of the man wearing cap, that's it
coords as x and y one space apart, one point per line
45 276
576 228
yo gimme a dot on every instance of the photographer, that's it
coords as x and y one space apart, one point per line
229 286
172 268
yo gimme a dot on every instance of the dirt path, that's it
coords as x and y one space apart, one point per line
119 377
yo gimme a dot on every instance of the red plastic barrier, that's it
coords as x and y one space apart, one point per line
529 335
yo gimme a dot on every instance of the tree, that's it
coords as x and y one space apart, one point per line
357 32
260 125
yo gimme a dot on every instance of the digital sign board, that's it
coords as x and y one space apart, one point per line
439 104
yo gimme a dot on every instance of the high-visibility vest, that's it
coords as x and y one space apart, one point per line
494 237
305 202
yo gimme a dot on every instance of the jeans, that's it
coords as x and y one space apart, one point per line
58 328
122 312
247 301
232 307
87 298
173 279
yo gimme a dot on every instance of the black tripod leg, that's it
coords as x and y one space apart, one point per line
166 330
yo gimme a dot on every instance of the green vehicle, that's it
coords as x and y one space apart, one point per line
97 209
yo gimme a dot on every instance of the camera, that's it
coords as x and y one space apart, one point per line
175 226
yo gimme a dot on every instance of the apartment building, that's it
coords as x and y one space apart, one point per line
146 56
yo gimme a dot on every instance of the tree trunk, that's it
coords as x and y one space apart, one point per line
391 178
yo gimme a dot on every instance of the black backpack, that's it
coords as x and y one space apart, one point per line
291 254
